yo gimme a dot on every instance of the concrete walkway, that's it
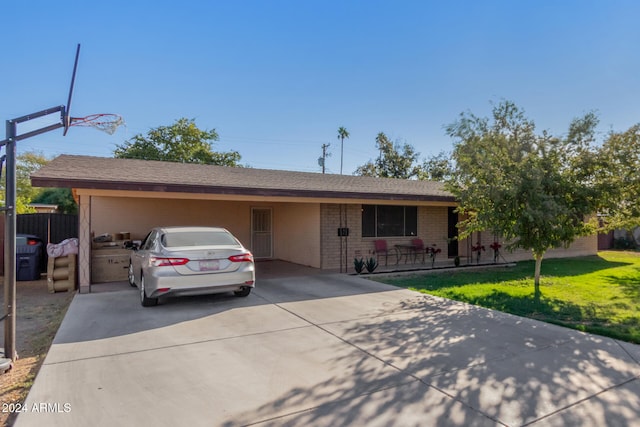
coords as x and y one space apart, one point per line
325 350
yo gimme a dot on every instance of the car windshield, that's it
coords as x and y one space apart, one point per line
197 238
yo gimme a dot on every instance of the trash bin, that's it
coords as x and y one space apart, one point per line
28 253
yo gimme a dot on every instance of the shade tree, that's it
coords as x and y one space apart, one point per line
181 141
536 190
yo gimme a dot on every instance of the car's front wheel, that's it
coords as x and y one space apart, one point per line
144 300
243 292
132 279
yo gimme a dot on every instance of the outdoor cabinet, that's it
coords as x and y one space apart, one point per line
109 265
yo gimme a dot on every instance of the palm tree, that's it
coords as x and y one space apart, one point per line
342 134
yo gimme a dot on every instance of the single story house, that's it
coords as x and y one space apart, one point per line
318 220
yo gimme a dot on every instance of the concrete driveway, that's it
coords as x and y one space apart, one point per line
325 350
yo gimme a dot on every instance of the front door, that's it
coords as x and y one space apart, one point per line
453 232
261 233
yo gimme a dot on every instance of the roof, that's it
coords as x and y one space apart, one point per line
71 171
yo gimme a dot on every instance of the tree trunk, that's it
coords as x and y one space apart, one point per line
536 280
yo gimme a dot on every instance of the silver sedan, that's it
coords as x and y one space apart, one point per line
190 261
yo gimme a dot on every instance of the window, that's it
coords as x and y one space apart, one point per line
199 238
148 241
389 221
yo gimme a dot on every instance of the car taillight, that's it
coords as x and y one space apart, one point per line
241 258
32 242
165 262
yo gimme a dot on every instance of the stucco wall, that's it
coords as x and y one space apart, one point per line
138 216
297 233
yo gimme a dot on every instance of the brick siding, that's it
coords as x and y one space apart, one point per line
432 229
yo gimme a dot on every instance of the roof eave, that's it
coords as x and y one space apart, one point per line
227 190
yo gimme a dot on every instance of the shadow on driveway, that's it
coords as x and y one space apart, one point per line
327 350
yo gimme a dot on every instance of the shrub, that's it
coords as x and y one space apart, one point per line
371 264
624 243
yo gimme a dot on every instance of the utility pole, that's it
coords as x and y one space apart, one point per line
322 161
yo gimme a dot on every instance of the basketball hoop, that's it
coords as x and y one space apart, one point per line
108 123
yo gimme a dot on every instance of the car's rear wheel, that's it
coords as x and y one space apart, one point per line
131 277
144 300
243 292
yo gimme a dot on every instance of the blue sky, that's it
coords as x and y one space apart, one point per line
277 78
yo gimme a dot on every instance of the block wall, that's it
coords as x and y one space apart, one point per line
583 246
432 229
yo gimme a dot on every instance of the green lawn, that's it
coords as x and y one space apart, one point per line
598 294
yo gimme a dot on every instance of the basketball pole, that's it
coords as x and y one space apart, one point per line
10 220
9 209
10 245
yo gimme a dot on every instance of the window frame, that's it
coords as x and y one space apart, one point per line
408 230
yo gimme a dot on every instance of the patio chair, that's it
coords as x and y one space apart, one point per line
418 248
381 248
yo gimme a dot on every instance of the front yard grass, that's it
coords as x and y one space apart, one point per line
597 294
